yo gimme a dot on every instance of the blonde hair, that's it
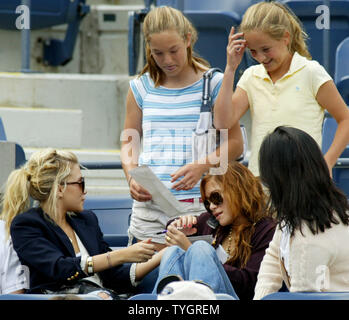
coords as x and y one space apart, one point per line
274 19
163 19
245 196
39 179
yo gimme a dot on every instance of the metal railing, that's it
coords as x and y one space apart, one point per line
101 165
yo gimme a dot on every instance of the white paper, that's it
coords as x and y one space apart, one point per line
221 254
160 194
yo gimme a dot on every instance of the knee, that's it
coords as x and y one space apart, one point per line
200 247
172 251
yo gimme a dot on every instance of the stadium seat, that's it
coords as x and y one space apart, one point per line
339 27
2 131
340 172
20 154
144 296
44 296
343 88
44 14
342 63
307 296
328 132
113 215
151 296
224 5
213 29
341 74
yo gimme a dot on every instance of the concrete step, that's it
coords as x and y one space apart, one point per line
40 127
98 182
100 100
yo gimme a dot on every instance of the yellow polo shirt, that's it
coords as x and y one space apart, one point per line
290 101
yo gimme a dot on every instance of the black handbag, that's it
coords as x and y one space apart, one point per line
83 286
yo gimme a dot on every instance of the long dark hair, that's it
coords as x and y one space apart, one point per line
301 190
245 196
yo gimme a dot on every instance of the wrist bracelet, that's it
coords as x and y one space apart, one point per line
90 266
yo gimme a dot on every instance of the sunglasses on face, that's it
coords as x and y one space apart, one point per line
81 183
215 198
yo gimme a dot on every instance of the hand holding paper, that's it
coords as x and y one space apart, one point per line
160 194
138 192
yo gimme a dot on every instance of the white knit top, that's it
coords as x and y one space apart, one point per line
316 262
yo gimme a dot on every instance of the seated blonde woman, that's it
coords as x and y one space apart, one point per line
59 241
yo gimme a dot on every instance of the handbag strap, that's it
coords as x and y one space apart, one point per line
206 102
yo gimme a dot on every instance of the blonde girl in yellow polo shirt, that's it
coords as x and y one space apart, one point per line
286 88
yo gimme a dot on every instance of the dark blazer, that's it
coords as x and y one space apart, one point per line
45 248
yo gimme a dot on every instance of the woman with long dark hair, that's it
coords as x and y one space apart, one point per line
309 249
230 263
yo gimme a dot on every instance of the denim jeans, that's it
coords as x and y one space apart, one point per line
199 262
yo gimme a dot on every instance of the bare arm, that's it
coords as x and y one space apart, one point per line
142 269
130 146
329 98
229 107
139 252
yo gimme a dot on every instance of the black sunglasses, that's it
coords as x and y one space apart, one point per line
81 183
215 198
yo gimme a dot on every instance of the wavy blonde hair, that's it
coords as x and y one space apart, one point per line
162 19
245 196
39 179
274 19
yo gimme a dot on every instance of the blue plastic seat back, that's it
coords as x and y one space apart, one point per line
343 88
208 5
339 27
340 173
329 128
113 215
341 75
112 212
44 296
328 132
213 30
43 13
342 61
307 296
20 154
151 296
144 296
2 131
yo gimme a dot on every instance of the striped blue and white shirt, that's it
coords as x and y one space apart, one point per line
169 117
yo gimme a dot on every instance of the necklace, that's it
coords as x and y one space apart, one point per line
230 239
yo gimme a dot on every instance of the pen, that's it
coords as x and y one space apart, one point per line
161 232
164 231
